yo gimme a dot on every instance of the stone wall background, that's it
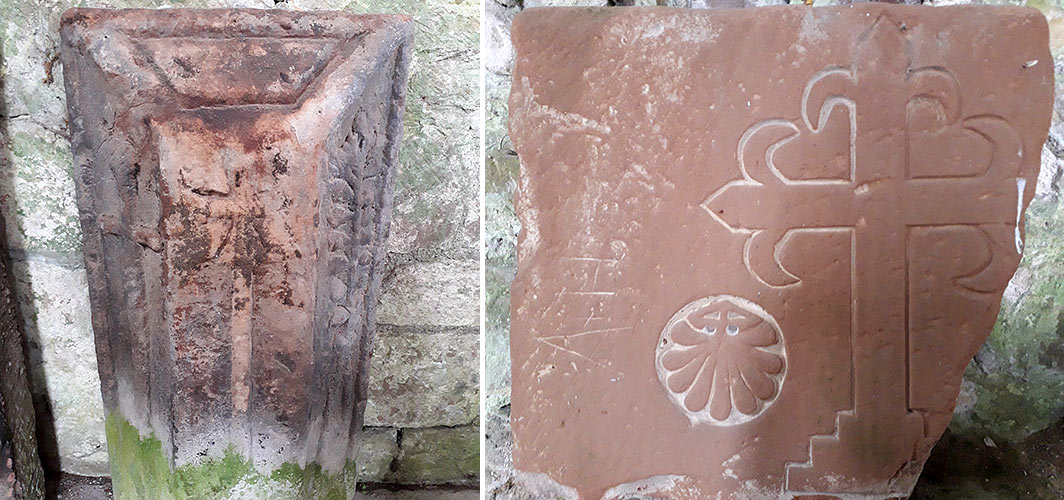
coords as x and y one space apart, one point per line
1006 440
423 413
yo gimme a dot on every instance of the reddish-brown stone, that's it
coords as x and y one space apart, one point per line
234 172
759 247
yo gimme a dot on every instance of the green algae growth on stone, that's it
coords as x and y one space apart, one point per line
139 468
235 182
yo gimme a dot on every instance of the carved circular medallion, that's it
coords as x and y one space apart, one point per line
722 360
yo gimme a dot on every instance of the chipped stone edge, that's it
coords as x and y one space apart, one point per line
542 485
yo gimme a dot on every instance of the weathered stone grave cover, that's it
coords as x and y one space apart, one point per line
234 172
759 247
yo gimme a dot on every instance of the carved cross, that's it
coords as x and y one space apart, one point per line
235 173
882 197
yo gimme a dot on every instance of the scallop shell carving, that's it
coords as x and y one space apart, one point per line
722 360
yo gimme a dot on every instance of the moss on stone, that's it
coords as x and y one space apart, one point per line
439 455
213 478
314 482
436 196
140 470
1019 374
437 182
138 467
41 191
501 173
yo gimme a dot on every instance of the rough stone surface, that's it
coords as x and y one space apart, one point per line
440 493
377 451
21 473
65 375
1015 384
437 191
565 3
439 455
422 379
51 287
71 487
500 222
445 293
8 484
499 481
435 216
235 174
501 228
831 165
1025 393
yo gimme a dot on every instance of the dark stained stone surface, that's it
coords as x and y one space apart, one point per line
758 266
235 173
21 474
71 487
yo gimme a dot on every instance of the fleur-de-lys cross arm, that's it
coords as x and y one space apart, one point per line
879 191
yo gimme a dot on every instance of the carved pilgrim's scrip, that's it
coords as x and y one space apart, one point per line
234 172
760 246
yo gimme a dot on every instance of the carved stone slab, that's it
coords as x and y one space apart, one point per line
234 172
760 246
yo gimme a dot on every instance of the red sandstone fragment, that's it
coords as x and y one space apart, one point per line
234 172
760 246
